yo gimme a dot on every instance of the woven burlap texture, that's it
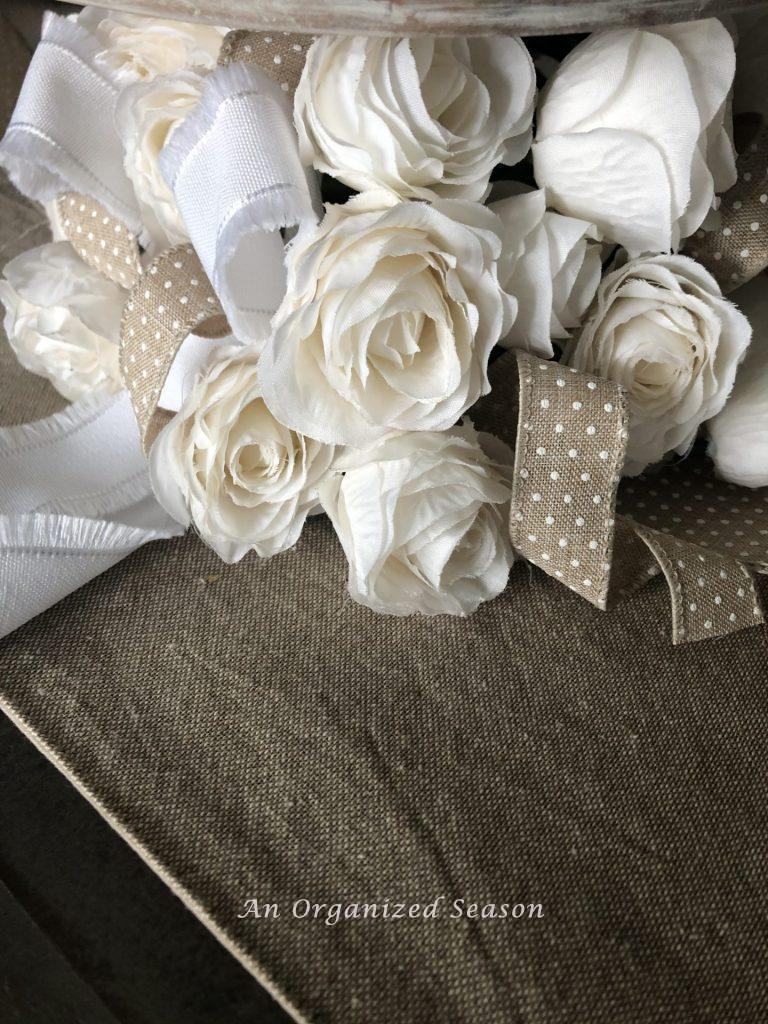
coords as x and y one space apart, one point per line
737 250
261 736
570 436
570 449
100 240
172 299
280 54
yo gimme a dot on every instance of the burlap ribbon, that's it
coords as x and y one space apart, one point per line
100 239
570 428
280 54
737 250
169 302
571 431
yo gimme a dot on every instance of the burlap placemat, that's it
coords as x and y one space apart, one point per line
255 735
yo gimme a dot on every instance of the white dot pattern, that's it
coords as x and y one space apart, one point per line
738 250
688 501
281 55
702 531
564 495
563 517
711 593
99 239
170 301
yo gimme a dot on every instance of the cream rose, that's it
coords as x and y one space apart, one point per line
423 520
660 327
739 433
420 116
146 117
62 319
137 49
225 464
550 265
633 132
388 321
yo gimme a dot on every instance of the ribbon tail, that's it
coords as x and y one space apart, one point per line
75 499
571 438
712 594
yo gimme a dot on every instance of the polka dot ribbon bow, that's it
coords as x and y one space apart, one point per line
571 431
180 293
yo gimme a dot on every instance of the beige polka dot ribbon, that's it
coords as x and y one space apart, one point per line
571 432
570 448
706 535
737 250
280 54
711 594
100 239
171 300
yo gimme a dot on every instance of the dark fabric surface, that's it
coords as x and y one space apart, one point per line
266 738
90 935
38 984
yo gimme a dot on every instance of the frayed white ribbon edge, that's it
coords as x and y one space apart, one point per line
57 536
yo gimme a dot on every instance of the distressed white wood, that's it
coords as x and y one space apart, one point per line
439 17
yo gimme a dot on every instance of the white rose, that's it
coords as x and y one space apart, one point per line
388 321
422 117
632 133
137 49
225 464
660 327
739 434
62 319
551 266
423 520
146 117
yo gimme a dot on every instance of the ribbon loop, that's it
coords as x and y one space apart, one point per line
571 432
50 145
75 498
570 449
100 240
234 169
172 299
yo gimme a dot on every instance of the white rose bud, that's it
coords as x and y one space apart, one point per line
739 434
137 49
550 265
146 117
423 520
632 133
422 117
660 327
62 319
225 464
388 321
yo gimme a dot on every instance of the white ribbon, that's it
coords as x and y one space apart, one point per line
235 171
75 498
62 136
75 495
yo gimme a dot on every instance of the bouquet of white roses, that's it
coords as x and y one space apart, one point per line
476 208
